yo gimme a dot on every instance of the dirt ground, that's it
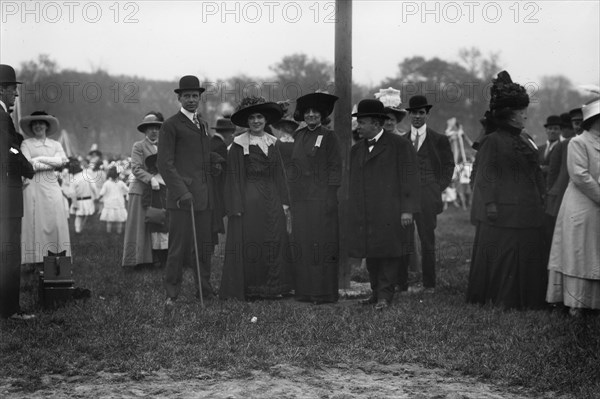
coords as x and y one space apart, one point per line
282 381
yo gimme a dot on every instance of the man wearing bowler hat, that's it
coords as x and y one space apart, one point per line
553 127
384 196
436 166
13 166
188 166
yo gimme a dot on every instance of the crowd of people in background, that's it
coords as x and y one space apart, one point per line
264 186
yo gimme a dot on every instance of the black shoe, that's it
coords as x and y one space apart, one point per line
382 304
368 301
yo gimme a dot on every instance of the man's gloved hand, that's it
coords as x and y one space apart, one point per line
185 201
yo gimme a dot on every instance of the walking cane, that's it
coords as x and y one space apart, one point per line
196 251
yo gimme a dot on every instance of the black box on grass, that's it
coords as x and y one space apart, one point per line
56 281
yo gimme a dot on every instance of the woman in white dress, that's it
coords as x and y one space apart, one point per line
45 221
574 266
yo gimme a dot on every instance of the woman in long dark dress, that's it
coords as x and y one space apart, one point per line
507 268
314 178
257 264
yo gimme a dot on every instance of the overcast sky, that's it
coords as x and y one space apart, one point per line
217 40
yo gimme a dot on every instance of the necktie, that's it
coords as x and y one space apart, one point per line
196 121
416 142
371 142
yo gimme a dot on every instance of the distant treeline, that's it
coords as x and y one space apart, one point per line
105 109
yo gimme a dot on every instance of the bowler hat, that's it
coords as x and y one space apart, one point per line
149 120
8 75
418 102
553 120
224 125
189 82
370 107
565 118
52 122
286 125
256 105
322 102
576 114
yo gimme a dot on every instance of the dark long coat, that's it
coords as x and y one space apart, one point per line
314 175
558 177
384 183
511 178
13 167
256 264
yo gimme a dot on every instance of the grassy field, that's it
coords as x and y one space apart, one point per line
122 329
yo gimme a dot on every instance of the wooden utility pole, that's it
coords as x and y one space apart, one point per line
343 121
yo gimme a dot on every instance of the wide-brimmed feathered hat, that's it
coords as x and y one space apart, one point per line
256 105
391 100
369 107
322 102
507 94
149 120
52 122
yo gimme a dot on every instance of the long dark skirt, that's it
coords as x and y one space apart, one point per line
507 267
316 251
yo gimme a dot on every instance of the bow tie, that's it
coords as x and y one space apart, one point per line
371 142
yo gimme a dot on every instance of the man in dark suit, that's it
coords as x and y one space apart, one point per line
436 166
553 127
384 195
187 165
557 178
13 166
219 143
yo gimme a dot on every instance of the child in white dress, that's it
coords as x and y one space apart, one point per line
83 194
113 193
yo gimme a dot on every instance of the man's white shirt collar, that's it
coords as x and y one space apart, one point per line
422 131
187 113
3 106
376 138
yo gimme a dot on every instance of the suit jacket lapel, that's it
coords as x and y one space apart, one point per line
379 147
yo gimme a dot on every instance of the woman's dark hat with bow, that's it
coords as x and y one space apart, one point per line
189 82
322 102
507 94
224 125
418 102
8 75
370 107
256 105
149 120
553 120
